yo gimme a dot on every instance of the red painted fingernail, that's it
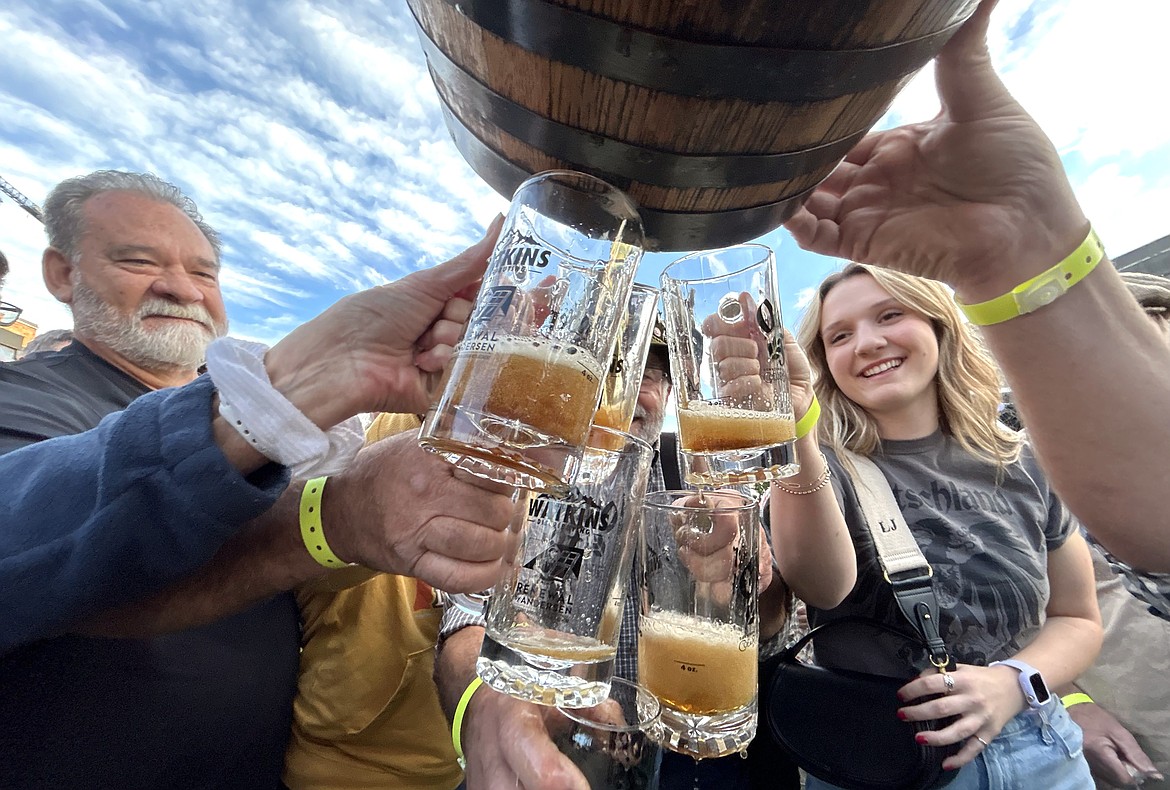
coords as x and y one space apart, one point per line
902 715
920 739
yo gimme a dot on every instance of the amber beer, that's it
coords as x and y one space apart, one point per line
696 666
617 416
614 413
548 387
705 428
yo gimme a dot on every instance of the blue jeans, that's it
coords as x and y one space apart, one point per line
1024 755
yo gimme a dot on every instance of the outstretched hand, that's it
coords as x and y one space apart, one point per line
976 197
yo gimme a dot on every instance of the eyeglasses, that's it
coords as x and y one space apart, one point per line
8 313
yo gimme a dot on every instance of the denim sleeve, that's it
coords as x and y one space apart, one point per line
116 513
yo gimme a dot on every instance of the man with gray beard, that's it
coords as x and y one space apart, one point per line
139 269
124 474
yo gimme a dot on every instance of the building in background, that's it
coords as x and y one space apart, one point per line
1152 258
15 337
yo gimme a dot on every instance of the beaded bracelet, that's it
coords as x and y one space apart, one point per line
812 487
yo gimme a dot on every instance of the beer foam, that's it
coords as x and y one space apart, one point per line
679 626
544 351
705 409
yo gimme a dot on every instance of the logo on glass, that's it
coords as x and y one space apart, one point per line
520 253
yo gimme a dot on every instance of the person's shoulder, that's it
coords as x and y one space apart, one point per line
46 373
49 395
1029 463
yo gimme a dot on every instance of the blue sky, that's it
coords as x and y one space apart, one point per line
311 137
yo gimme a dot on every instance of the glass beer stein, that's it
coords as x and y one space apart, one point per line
553 621
726 339
619 394
698 628
522 387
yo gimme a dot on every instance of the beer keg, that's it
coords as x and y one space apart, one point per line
718 118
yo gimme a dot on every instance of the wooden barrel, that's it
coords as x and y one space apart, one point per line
718 118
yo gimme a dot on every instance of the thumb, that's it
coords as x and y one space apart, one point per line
967 83
462 272
1131 752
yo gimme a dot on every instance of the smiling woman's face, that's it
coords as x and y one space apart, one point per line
882 355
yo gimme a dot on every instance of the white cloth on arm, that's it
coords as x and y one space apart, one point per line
268 420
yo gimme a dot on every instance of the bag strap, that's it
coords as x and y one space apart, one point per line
902 561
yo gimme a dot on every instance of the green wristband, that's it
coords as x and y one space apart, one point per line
457 722
1042 290
806 423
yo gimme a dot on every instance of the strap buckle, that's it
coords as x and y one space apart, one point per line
905 579
1042 291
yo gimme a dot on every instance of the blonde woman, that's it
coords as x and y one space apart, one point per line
902 381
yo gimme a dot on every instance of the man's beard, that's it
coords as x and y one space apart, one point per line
179 345
647 425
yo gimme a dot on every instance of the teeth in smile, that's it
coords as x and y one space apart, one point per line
882 368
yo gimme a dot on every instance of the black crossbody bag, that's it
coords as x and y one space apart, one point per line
839 725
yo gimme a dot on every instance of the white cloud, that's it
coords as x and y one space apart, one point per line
804 297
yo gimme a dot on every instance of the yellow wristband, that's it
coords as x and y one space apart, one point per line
457 722
311 531
1042 290
806 423
1075 698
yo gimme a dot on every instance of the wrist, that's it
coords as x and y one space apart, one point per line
1076 698
312 525
343 541
990 276
239 453
309 385
807 421
475 696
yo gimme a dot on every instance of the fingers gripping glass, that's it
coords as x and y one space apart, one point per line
726 339
9 313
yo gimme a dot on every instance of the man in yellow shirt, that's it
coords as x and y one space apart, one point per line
367 713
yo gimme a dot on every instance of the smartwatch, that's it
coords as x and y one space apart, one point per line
1031 683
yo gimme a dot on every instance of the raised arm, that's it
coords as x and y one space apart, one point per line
814 552
978 198
396 509
73 538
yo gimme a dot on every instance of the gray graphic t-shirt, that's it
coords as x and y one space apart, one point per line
987 541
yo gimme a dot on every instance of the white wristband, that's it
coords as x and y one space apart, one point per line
268 420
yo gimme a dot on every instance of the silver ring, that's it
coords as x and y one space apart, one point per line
985 743
949 683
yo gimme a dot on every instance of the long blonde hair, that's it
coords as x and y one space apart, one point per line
967 378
